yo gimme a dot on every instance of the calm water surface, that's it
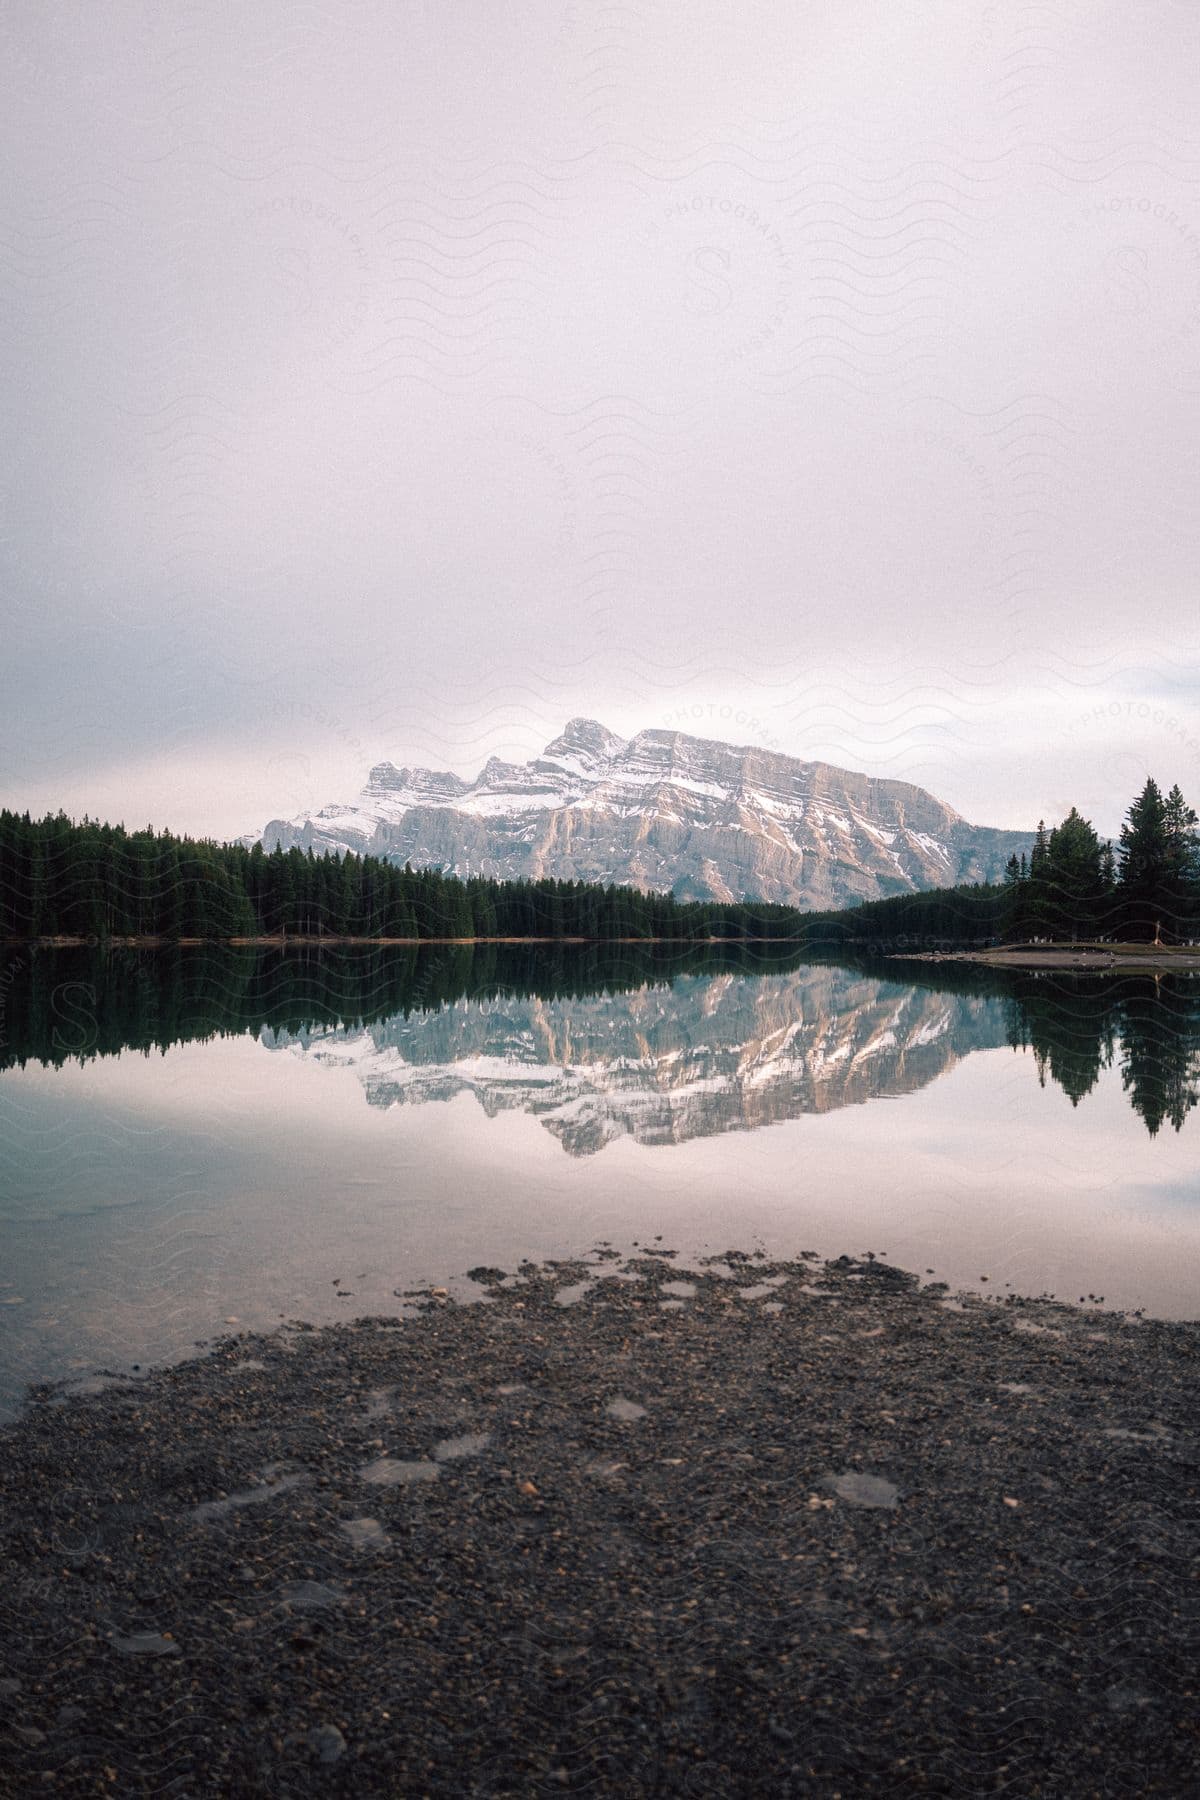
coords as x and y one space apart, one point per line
188 1141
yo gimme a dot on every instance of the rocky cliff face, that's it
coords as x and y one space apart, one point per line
707 1055
663 810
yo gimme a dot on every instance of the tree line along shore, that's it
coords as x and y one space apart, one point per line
87 881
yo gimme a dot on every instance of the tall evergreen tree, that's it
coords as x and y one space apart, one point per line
1071 872
1183 855
1145 862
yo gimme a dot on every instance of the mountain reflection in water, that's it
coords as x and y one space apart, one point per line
707 1054
603 1042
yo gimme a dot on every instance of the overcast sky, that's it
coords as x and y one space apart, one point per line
398 380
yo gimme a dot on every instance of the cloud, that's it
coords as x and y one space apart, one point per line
399 384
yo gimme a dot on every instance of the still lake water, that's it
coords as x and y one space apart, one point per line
190 1138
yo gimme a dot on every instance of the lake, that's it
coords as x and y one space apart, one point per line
198 1141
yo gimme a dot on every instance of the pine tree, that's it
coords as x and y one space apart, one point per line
1145 861
1036 896
1072 874
1179 820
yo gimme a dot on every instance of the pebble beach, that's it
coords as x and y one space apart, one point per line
752 1527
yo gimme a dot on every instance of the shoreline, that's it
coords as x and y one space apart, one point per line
1114 957
1162 960
326 941
778 1526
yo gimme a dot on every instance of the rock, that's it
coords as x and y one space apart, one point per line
626 1410
390 1471
469 1444
365 1534
858 1489
255 1496
310 1596
145 1643
328 1743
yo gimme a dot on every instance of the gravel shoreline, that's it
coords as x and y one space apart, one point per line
771 1528
1113 959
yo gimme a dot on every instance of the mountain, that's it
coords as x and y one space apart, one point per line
663 1065
706 820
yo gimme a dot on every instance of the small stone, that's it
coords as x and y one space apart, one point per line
365 1534
1009 1501
626 1410
308 1596
864 1490
328 1743
271 1485
526 1487
1123 1697
390 1471
469 1444
145 1643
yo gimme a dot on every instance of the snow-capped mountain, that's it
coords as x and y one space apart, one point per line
663 810
707 1055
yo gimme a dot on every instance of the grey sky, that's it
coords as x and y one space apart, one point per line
399 380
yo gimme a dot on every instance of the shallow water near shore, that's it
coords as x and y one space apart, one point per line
365 1126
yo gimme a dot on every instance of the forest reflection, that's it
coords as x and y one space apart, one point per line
606 1039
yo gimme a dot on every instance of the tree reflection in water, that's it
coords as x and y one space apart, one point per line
763 1036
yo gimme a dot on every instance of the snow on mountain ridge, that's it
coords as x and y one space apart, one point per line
663 809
